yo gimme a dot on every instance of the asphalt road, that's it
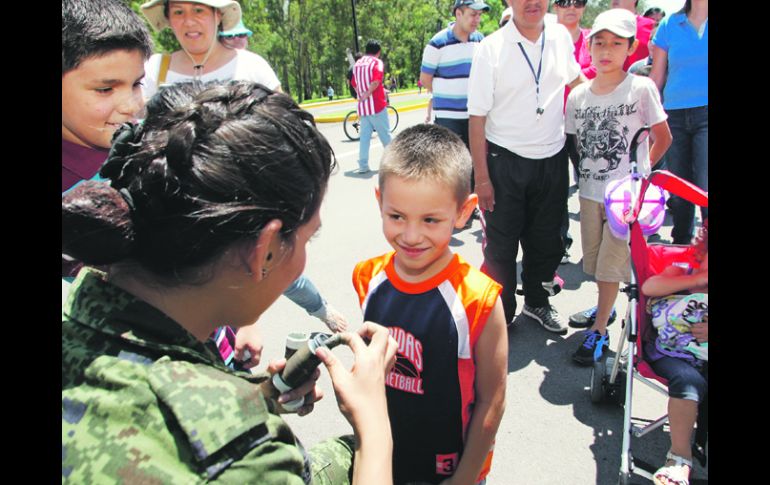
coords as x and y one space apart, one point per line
551 433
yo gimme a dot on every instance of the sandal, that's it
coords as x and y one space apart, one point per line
675 474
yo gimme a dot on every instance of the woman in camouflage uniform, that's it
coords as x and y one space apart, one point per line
205 220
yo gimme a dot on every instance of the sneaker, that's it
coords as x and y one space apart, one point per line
586 318
592 348
361 170
547 316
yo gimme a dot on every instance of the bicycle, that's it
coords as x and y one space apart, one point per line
352 126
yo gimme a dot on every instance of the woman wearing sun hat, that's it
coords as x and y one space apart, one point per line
196 25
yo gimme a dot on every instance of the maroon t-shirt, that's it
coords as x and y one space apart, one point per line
79 163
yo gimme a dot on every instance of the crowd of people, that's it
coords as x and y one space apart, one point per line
180 229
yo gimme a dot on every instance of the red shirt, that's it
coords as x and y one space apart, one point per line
367 70
79 163
644 28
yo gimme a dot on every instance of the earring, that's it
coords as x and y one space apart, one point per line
264 272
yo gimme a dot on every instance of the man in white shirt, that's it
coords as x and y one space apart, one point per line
516 131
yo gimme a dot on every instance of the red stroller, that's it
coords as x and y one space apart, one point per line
613 379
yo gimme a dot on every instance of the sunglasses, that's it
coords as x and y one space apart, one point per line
236 36
568 3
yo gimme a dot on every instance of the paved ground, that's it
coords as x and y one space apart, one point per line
551 433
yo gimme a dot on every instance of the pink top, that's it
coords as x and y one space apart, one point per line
644 28
583 57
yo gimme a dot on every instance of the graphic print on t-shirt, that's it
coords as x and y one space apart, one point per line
602 139
406 375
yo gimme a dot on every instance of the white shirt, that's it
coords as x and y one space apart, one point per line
605 125
245 66
502 88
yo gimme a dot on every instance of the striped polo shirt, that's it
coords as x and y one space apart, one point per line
448 60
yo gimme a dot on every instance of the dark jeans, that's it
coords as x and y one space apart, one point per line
688 158
530 197
458 126
461 128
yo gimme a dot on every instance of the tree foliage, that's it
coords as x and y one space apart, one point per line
310 43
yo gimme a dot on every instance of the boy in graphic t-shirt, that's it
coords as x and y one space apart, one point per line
446 393
603 115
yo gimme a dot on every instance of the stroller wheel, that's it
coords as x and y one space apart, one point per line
597 382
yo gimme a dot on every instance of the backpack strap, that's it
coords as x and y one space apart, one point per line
165 61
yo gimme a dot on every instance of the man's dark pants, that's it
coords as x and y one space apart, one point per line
530 196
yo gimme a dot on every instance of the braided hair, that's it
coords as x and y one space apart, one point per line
210 166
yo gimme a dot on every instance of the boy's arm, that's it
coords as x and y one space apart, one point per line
662 136
491 371
672 280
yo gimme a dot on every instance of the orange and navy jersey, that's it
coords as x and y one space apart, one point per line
430 390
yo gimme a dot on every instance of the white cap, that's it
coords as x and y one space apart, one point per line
619 21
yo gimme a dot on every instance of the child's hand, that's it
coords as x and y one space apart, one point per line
702 279
700 331
248 338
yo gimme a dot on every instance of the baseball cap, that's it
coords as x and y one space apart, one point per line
472 4
231 12
619 21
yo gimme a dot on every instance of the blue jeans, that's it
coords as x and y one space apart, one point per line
376 122
688 158
684 380
304 293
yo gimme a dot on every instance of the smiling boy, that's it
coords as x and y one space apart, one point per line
104 47
446 393
603 115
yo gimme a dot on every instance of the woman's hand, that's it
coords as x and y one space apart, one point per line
361 390
248 339
309 391
700 331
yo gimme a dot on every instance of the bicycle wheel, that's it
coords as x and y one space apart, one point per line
392 118
351 126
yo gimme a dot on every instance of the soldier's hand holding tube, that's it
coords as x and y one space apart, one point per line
360 391
309 390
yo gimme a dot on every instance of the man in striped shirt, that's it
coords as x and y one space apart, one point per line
446 64
368 73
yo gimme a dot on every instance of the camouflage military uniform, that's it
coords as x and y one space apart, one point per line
144 401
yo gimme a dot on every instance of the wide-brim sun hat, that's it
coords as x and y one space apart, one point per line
230 10
239 29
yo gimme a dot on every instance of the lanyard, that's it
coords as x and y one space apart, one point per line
539 110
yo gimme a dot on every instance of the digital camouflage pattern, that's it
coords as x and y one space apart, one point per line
143 401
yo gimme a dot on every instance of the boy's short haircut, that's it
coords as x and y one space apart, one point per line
93 28
429 152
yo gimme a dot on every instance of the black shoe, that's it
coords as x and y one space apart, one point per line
592 348
547 316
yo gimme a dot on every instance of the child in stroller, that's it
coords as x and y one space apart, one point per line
677 352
